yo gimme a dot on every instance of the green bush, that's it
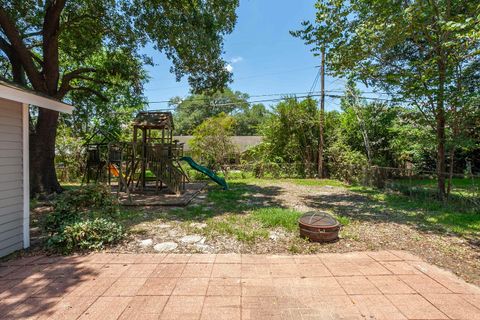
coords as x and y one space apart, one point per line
346 164
83 219
90 234
84 202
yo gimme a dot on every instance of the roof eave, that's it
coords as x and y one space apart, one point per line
20 95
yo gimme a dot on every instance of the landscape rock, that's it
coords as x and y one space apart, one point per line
145 243
165 246
276 235
204 248
191 239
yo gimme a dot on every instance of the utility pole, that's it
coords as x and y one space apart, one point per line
321 141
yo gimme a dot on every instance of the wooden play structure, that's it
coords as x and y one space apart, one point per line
150 162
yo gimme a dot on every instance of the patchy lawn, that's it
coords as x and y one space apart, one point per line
260 216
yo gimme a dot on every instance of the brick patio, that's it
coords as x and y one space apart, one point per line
360 285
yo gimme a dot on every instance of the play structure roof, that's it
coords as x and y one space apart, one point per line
153 120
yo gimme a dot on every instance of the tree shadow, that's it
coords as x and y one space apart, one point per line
32 286
396 208
239 199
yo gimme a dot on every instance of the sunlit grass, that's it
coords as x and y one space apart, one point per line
277 217
429 213
317 182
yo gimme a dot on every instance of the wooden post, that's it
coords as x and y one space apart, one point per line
144 155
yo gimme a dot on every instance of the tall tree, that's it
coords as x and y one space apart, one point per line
196 108
291 134
416 50
212 143
49 44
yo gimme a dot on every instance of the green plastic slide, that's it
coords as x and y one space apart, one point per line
206 171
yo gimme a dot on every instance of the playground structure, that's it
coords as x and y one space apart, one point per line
150 162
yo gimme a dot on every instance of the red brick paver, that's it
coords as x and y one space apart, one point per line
358 285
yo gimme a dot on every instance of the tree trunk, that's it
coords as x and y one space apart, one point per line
440 130
43 177
450 172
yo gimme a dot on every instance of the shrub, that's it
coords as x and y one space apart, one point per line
346 164
84 202
90 234
83 219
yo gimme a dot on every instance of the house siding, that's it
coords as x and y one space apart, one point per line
11 177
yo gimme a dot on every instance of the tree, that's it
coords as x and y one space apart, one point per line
248 121
416 50
192 111
122 97
51 46
212 143
290 134
366 126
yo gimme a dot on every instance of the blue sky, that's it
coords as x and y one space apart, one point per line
264 58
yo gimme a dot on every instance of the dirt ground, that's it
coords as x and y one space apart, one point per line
372 226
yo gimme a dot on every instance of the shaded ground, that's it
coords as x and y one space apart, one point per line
234 221
360 285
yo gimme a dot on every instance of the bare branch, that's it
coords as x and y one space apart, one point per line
90 90
68 77
32 34
23 54
50 32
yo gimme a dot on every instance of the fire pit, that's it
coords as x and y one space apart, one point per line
319 227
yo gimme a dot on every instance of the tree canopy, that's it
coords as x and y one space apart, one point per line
59 47
211 141
420 52
193 110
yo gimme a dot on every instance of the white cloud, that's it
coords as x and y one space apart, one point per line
229 67
236 59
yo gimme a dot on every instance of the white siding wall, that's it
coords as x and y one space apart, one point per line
11 177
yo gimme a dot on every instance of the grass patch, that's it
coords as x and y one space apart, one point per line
457 183
277 217
431 214
242 228
317 182
344 221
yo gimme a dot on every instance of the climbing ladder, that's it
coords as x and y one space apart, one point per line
162 162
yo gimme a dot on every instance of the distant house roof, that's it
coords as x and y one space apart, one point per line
243 143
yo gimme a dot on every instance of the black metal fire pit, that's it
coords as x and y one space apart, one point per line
319 227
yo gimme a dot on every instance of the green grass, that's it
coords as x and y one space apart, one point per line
429 214
317 182
463 189
231 214
241 227
248 211
457 183
277 217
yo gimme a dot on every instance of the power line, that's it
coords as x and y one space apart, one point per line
314 84
304 95
287 94
333 96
